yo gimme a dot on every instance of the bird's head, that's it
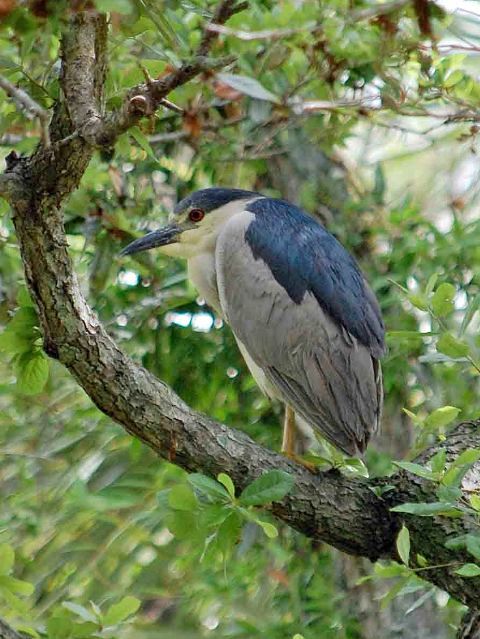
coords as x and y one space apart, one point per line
195 223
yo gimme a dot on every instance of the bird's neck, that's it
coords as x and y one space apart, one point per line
202 274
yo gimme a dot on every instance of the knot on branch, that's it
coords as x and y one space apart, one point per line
141 105
12 160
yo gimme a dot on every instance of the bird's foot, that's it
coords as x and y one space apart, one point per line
297 459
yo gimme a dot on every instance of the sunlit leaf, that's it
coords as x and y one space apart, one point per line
182 497
7 557
120 611
271 486
248 86
224 479
468 570
403 544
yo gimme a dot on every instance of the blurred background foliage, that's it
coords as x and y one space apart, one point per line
366 114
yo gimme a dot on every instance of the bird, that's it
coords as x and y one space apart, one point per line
302 313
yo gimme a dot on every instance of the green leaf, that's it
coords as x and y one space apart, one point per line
142 141
468 457
378 192
182 524
228 533
248 86
475 502
451 346
209 487
442 416
473 546
356 466
121 610
224 479
453 78
387 571
24 320
17 586
27 630
419 301
442 300
269 529
32 372
271 486
182 497
80 611
7 559
429 509
23 297
468 570
432 280
214 514
438 461
19 605
59 626
403 544
114 6
459 467
416 469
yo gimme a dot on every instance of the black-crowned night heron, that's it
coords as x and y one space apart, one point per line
305 320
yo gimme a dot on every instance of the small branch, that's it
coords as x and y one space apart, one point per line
172 136
171 106
378 10
26 103
268 34
7 632
225 10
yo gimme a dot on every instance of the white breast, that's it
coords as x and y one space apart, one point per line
201 271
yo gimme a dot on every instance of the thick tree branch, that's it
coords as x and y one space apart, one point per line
330 507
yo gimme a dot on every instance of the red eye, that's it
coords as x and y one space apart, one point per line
196 215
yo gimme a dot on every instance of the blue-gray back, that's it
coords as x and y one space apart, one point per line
304 257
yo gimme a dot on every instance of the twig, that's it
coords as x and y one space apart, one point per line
269 34
225 10
378 10
170 105
26 103
172 136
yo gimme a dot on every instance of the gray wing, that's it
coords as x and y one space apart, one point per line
314 363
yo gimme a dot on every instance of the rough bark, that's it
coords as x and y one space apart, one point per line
329 506
470 626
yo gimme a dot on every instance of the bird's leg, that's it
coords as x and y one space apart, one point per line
288 443
289 431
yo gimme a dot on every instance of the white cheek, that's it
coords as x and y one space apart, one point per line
175 250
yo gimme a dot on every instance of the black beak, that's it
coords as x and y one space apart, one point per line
166 235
